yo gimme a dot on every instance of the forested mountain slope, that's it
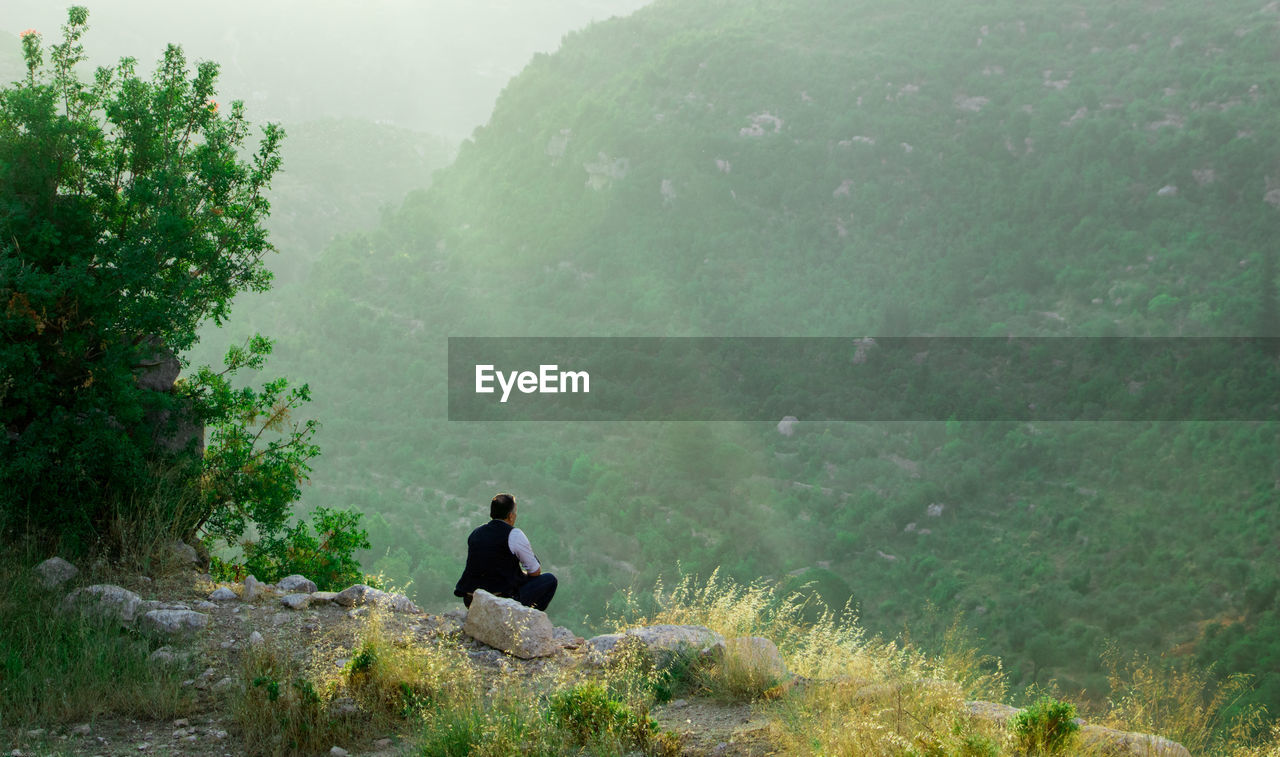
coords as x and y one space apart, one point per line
840 168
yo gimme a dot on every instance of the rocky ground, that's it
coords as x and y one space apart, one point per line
210 629
211 626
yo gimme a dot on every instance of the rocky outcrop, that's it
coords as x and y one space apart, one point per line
510 626
157 369
54 572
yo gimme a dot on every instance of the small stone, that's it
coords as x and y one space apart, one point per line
337 751
318 597
222 594
174 621
204 606
55 571
343 706
256 640
181 723
296 601
162 656
382 744
82 729
218 734
223 683
35 733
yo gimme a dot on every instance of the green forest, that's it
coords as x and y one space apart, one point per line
819 169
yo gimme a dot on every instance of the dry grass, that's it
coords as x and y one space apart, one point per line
292 703
851 694
1187 704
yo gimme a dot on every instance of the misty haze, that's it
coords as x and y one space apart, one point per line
614 168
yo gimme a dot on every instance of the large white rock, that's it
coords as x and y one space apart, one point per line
105 601
296 584
510 626
174 621
54 572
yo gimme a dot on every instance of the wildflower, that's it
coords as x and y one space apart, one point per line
213 106
27 33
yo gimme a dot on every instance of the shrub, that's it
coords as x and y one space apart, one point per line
132 215
1046 727
326 557
590 715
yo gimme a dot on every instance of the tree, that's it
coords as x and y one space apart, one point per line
129 215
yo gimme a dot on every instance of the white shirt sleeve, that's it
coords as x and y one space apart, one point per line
521 548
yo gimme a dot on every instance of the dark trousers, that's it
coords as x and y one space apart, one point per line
537 591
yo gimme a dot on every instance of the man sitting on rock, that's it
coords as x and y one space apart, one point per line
496 552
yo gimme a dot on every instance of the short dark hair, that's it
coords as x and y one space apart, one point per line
501 506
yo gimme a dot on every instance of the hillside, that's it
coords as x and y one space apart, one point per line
852 168
179 663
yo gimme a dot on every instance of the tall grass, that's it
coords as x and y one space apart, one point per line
63 667
395 682
850 694
1185 703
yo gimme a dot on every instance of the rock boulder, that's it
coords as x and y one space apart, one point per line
296 584
510 626
174 621
105 601
54 572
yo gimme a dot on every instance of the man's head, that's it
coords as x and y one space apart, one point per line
502 507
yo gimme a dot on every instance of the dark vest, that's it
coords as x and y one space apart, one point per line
490 564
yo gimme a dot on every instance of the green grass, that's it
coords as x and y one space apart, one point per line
61 668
